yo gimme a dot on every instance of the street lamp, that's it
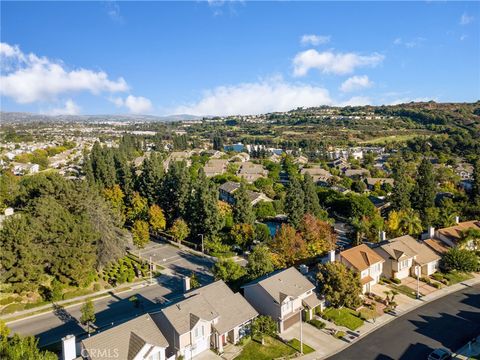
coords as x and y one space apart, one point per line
418 281
301 331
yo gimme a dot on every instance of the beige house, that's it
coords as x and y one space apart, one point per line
283 295
366 262
178 156
215 167
136 339
227 193
208 317
318 174
452 236
404 254
251 171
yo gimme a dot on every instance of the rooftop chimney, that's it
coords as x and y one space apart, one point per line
331 256
8 211
69 350
457 219
186 283
431 232
383 235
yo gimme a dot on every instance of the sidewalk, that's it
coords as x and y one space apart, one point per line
334 346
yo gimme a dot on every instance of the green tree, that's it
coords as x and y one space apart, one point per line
340 285
311 204
423 196
180 230
17 347
115 197
150 181
460 260
294 202
262 233
404 222
140 233
175 191
203 214
400 197
260 262
228 270
476 181
156 218
264 326
217 142
242 209
88 314
264 209
242 235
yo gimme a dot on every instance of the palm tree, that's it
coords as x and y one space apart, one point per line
410 223
470 235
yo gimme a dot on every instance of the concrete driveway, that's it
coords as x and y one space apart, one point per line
425 289
179 261
318 339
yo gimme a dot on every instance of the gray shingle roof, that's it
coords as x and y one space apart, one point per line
127 338
288 282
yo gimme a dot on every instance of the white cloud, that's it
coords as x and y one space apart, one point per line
356 101
329 62
356 82
113 11
70 108
256 98
415 42
135 104
314 39
30 78
466 19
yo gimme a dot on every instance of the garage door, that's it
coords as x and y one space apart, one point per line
290 321
200 346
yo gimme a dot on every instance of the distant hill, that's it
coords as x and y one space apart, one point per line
14 117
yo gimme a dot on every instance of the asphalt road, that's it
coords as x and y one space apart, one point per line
51 327
448 322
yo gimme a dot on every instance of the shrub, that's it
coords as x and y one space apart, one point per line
436 285
7 300
97 287
460 260
396 281
340 334
317 323
437 276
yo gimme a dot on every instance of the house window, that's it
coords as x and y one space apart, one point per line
155 356
199 332
287 307
402 264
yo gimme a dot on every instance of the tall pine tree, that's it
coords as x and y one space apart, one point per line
242 210
311 204
423 196
203 216
294 202
400 197
149 181
175 191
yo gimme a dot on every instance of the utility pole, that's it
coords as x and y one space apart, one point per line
301 332
203 250
151 270
418 281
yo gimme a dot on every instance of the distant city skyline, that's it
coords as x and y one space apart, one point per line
240 57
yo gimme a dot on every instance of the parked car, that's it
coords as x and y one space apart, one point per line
440 354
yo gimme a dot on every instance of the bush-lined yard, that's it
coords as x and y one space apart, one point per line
343 317
273 348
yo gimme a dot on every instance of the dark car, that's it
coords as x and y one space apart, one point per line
440 354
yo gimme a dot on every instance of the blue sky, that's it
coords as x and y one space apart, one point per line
234 57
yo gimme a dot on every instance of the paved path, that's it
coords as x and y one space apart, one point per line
446 322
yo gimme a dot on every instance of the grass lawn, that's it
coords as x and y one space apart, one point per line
455 277
295 343
343 317
272 349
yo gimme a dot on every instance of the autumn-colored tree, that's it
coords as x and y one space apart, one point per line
404 222
242 234
138 208
140 233
116 197
287 246
156 218
180 230
318 235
